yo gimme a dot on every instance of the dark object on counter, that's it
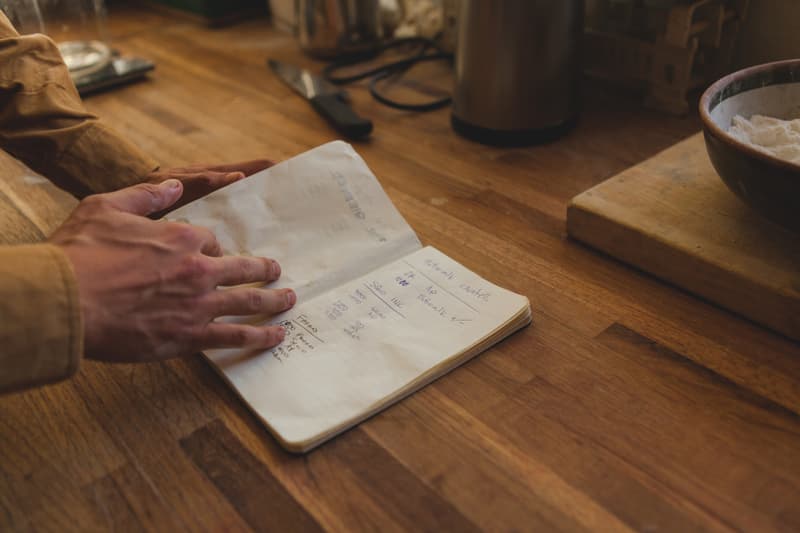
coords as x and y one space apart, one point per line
216 12
327 99
119 71
426 50
769 185
331 28
518 70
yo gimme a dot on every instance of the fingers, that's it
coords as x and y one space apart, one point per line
194 238
237 270
243 302
210 245
210 180
247 167
218 335
207 241
145 198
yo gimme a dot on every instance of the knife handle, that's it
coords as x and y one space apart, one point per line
341 116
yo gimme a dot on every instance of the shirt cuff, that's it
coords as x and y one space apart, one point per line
103 161
41 334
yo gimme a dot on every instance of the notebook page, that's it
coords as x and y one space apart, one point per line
350 349
322 215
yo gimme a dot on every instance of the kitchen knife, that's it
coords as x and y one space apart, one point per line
327 99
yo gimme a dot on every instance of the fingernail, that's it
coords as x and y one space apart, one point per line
172 184
234 176
291 298
276 269
281 333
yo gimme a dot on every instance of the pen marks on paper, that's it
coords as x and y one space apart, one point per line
349 198
430 292
302 337
354 206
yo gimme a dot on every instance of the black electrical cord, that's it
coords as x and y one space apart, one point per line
392 69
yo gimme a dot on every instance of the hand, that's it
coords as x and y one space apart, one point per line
200 180
148 289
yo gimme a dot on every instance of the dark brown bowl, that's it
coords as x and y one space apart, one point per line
769 185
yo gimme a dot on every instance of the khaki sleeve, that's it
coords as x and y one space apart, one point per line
43 121
41 331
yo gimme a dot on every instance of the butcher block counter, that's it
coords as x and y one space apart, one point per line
628 404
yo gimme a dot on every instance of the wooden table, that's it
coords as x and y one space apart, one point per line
628 404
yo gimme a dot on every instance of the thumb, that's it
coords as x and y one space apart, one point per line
146 198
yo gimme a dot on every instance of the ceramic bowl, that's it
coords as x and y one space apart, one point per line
769 185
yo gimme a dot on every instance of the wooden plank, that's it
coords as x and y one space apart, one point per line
478 468
20 230
257 495
334 496
627 405
629 411
117 513
410 501
42 205
155 490
765 362
672 216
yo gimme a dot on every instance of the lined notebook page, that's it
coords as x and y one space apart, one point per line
350 350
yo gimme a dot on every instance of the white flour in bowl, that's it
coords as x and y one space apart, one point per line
779 138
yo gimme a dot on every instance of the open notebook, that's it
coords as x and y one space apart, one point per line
377 316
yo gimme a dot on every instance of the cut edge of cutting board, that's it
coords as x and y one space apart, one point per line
776 309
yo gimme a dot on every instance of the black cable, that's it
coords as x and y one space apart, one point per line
393 69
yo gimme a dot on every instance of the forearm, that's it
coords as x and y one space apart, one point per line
41 333
44 123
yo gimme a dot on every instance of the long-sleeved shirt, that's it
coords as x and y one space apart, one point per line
44 124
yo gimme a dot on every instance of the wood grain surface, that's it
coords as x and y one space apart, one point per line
673 216
627 405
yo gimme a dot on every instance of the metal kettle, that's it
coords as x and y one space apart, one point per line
331 28
518 69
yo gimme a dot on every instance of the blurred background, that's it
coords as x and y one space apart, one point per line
671 48
768 32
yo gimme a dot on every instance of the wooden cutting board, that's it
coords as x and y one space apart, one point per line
673 217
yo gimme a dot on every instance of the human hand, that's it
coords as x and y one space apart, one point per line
200 180
148 289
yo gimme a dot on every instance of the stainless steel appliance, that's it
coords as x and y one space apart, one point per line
518 69
330 28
